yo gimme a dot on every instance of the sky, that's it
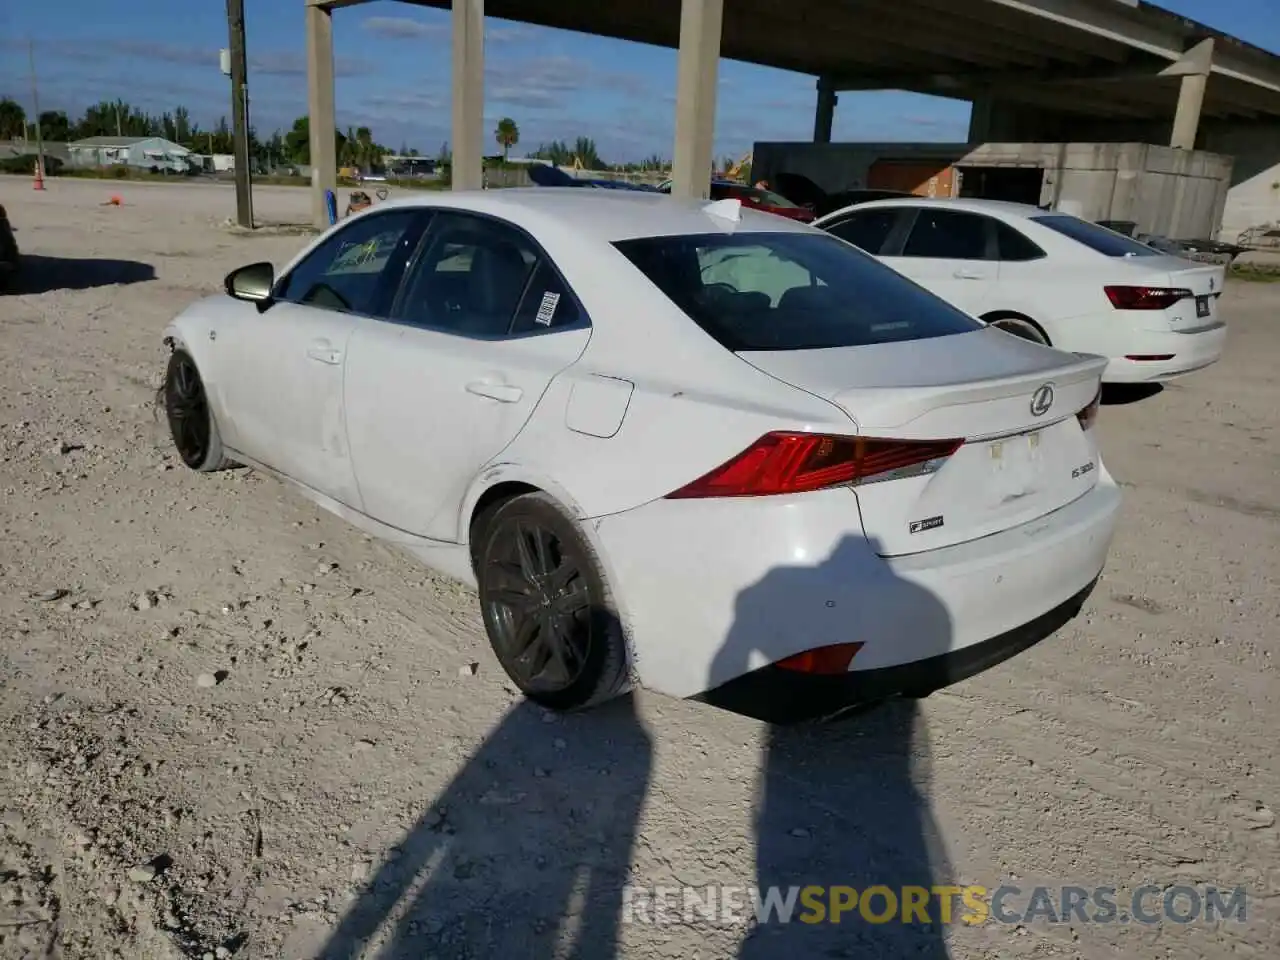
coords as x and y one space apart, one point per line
392 63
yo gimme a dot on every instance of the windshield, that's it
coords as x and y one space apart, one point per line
1095 237
790 291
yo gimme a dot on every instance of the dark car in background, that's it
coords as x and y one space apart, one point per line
9 259
757 198
798 188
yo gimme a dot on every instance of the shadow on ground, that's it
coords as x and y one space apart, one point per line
1119 394
528 850
42 274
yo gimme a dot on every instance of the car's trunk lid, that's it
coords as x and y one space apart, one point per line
1014 403
1204 280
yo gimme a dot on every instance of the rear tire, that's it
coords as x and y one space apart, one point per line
547 607
191 422
1020 327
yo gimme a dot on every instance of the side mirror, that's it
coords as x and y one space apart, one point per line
252 283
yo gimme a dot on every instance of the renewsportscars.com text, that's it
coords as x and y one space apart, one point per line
732 905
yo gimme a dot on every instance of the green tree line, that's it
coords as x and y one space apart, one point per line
355 146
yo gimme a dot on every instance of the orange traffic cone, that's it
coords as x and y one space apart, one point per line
39 184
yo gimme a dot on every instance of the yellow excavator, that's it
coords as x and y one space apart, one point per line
735 171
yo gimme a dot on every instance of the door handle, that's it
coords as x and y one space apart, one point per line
968 273
502 392
322 350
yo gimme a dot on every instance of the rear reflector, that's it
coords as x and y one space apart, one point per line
824 660
1145 298
1148 357
1089 415
800 462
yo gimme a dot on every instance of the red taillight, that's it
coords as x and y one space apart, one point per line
1145 298
1089 415
833 659
799 462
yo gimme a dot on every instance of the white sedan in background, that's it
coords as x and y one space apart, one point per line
705 450
1052 278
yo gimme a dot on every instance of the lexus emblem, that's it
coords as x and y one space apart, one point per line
1042 400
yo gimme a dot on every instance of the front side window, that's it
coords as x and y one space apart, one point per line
470 278
1095 237
947 235
790 291
356 269
868 230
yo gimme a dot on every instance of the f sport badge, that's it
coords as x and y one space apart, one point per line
920 526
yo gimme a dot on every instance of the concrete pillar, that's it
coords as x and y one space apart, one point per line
980 118
1194 68
825 113
320 107
468 94
697 69
1186 121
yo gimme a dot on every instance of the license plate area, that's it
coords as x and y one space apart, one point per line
1202 306
1015 465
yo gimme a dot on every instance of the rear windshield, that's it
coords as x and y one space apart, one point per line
1104 241
790 291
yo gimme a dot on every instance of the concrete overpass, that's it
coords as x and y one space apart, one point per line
1025 64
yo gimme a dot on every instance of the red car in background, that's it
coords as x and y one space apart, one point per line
756 198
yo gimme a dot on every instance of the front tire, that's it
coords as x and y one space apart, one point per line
191 422
547 606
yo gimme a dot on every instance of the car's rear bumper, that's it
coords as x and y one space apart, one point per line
778 695
712 590
1187 352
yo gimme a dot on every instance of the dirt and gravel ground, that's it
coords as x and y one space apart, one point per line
343 780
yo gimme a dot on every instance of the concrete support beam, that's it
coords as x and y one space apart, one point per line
468 94
1194 68
697 69
825 114
980 118
1186 122
320 107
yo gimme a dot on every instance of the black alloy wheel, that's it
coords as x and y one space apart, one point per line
187 408
546 607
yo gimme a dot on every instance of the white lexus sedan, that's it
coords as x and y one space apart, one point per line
686 446
1052 278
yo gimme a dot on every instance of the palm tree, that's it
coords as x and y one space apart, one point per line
507 134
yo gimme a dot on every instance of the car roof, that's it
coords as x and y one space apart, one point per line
972 204
608 215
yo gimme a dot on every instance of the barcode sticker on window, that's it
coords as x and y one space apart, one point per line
547 309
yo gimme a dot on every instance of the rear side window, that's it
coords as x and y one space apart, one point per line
1012 246
946 235
790 291
867 230
547 305
1104 241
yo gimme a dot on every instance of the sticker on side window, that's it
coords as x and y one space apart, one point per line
547 309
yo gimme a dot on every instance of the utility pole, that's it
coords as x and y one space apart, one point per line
240 112
35 102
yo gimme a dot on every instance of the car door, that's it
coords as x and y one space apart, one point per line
482 324
285 365
952 253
